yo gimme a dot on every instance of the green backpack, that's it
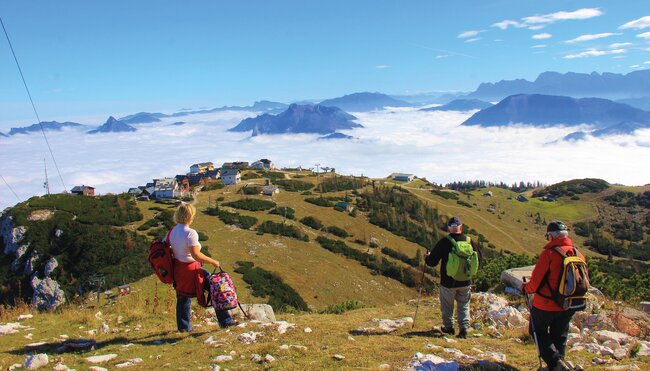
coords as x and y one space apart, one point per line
462 263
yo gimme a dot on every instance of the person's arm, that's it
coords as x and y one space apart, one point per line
434 256
196 253
539 272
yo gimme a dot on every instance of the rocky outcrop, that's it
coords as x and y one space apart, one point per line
48 295
50 266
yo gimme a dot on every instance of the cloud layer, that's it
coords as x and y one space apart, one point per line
429 144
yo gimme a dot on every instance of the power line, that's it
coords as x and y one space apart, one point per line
11 189
38 119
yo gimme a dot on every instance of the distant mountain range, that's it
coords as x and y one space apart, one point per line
364 102
113 126
335 136
635 84
47 125
461 105
142 118
548 110
622 128
308 118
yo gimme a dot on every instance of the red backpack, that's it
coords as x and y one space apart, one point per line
161 257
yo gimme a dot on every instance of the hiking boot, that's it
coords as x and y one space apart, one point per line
462 334
231 324
447 330
561 366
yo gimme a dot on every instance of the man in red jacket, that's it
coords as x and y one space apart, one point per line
551 321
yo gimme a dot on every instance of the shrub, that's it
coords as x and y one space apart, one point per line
273 175
282 297
340 232
463 203
339 183
319 201
251 190
287 212
283 230
227 217
202 236
341 308
213 186
294 185
312 222
251 204
445 194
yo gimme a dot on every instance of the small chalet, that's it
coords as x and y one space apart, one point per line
135 192
522 198
198 179
270 190
345 206
404 177
183 183
230 176
83 190
201 167
235 165
166 188
263 164
213 174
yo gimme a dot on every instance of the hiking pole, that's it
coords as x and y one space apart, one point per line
417 304
532 324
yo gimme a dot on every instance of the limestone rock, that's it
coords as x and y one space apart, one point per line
259 312
385 326
427 362
514 277
644 349
222 359
249 337
338 357
308 330
50 266
604 335
97 368
24 316
10 328
129 363
35 361
48 295
100 359
494 356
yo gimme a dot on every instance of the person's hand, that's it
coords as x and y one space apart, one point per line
216 264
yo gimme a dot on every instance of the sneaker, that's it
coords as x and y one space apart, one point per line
447 330
462 334
233 323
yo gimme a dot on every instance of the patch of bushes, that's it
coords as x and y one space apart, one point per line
265 284
273 175
413 262
227 217
283 230
213 186
489 274
463 203
165 219
573 187
202 236
284 211
312 222
294 185
251 204
341 308
339 183
319 201
445 194
251 190
337 231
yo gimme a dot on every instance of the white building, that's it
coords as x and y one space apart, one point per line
230 176
263 164
166 188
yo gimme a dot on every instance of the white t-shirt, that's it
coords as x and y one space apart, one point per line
182 238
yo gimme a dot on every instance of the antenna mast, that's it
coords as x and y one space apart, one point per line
46 184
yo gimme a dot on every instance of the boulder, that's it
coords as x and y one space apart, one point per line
50 266
427 362
222 359
129 363
10 328
584 320
48 295
604 335
35 361
644 349
509 317
514 277
102 358
385 326
249 337
259 312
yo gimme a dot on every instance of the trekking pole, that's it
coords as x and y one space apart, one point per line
532 324
417 304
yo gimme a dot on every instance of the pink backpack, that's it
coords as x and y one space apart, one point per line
222 292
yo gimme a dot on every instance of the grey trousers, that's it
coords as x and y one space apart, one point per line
447 297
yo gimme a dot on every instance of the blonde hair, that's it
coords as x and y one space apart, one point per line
184 214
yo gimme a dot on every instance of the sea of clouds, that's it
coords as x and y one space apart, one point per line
427 144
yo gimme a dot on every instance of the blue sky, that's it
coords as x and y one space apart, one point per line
83 58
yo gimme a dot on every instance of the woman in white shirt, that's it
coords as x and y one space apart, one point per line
189 277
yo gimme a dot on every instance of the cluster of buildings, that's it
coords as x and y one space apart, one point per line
200 174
